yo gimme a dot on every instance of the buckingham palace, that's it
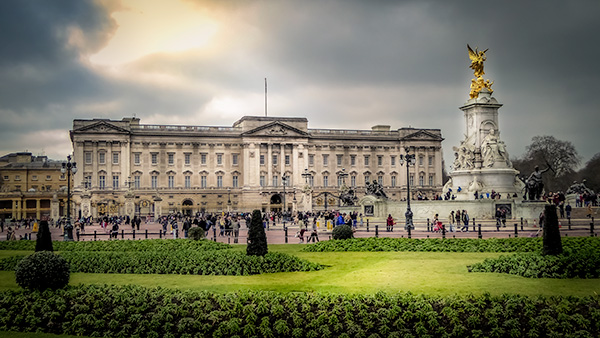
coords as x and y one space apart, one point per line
266 163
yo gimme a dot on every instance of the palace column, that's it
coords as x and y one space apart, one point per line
269 165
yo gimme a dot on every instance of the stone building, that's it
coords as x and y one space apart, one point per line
137 169
31 187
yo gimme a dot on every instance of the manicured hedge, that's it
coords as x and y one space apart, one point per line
582 263
134 311
122 245
219 262
447 245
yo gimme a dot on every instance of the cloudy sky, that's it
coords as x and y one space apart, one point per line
345 64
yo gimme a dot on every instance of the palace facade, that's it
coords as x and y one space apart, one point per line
266 163
31 187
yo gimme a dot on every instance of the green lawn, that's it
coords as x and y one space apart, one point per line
431 273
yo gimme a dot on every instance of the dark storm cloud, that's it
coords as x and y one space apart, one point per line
342 64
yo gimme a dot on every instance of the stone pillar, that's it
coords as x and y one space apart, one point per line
37 209
55 208
269 165
157 207
86 205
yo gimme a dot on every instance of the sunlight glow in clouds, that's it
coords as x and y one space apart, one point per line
147 27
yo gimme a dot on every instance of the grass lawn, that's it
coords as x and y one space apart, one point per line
432 273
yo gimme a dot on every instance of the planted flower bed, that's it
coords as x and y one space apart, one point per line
447 245
218 262
122 245
134 311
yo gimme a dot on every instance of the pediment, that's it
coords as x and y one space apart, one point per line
102 127
423 135
276 129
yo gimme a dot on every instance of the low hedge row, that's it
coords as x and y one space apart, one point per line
583 263
521 244
220 262
134 311
122 245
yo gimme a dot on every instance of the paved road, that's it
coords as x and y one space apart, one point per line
277 235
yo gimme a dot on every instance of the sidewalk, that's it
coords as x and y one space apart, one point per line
277 235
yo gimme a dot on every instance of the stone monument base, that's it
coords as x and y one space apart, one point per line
464 183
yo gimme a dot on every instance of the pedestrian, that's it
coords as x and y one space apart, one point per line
389 223
236 228
568 209
465 219
451 221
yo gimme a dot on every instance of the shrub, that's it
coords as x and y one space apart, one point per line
42 270
342 232
257 239
44 238
196 233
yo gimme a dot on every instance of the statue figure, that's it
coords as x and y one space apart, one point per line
477 59
534 185
375 189
478 83
348 198
493 149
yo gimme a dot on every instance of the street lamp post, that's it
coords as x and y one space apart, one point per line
68 168
228 199
410 160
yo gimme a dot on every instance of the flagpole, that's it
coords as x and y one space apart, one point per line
265 96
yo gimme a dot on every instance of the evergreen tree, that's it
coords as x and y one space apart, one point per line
257 239
552 240
44 238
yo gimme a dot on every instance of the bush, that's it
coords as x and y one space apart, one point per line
196 233
257 239
342 232
42 270
44 238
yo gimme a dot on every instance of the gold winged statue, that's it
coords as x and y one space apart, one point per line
477 58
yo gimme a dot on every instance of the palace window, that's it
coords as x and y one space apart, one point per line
353 180
262 180
115 182
136 181
171 181
393 160
188 181
421 179
203 181
234 159
154 158
287 159
430 160
154 181
171 157
275 181
274 159
339 159
219 159
380 179
325 160
352 160
115 158
87 182
262 159
367 179
420 160
379 160
431 179
219 181
366 160
88 157
136 158
203 158
311 160
187 158
325 181
393 180
101 181
102 158
235 181
411 179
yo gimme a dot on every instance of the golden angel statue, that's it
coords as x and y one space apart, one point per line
477 59
478 83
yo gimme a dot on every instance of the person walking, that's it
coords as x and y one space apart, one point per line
451 221
465 219
389 223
